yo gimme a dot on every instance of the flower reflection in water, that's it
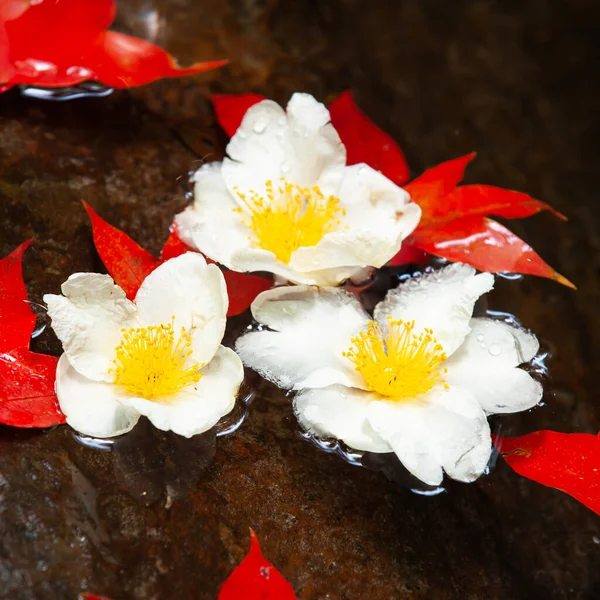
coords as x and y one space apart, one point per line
150 464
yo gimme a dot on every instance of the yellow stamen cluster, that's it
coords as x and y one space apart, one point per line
400 364
151 362
289 217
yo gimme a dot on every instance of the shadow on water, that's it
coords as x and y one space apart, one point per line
150 464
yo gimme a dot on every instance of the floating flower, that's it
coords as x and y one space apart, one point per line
285 202
455 221
159 356
418 379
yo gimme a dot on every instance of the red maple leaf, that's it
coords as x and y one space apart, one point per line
129 264
454 224
255 578
365 142
58 43
27 397
569 462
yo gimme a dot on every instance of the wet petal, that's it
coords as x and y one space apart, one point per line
495 344
320 154
198 407
88 319
312 327
378 217
212 224
301 146
442 300
259 149
444 429
485 365
256 259
503 390
91 407
193 294
339 412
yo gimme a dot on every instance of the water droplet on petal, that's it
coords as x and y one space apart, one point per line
480 337
79 72
495 350
285 167
260 125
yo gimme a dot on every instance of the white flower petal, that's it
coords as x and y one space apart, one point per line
404 426
442 429
212 224
302 146
187 222
91 407
485 365
442 300
192 293
499 390
339 412
259 148
378 218
495 344
313 326
320 154
256 259
198 407
88 320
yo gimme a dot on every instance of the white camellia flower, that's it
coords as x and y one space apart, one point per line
417 380
160 356
285 202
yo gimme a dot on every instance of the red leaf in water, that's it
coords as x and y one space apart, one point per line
483 200
126 261
409 255
16 319
255 578
365 142
27 397
569 462
485 245
430 189
243 289
231 108
441 201
174 246
92 597
453 223
123 61
56 44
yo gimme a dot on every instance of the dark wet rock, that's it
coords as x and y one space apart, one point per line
517 81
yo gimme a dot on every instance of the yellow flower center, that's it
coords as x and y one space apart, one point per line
151 361
289 217
401 364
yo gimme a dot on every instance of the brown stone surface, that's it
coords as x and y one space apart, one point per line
517 81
